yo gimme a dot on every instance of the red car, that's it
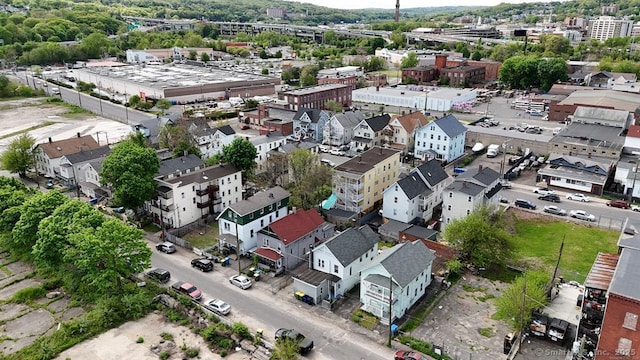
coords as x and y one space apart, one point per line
619 204
408 355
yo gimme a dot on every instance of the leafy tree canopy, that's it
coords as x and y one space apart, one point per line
32 212
240 153
18 158
526 293
130 169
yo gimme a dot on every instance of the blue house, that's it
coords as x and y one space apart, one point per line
309 123
442 140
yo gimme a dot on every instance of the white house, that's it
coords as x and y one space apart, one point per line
264 144
210 141
183 198
249 216
442 140
336 264
91 186
339 129
412 198
49 154
473 188
368 132
71 165
401 274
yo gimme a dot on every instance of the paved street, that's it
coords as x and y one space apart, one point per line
258 307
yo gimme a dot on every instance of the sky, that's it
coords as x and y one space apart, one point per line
391 4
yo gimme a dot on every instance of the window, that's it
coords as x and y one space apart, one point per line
431 136
450 194
395 199
630 321
251 232
395 212
469 199
262 223
194 200
182 195
449 207
222 181
438 137
335 269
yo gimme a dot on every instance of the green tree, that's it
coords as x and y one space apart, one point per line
285 349
251 104
134 100
105 255
178 139
205 57
480 237
375 63
95 45
551 71
18 158
263 54
411 60
240 153
308 75
54 231
130 169
32 212
163 105
312 181
519 299
476 56
193 55
13 193
265 71
334 106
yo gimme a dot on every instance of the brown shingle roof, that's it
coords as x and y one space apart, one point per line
56 149
411 121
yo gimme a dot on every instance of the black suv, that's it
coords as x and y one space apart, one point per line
160 275
304 344
524 204
203 264
550 197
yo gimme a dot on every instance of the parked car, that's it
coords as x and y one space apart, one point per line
543 191
202 264
635 208
408 355
240 281
550 197
217 306
336 152
304 344
552 209
582 215
166 247
578 197
524 204
619 204
187 289
505 184
160 275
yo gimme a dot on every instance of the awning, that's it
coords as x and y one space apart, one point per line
330 202
268 254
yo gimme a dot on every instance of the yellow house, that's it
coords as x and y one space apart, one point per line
360 182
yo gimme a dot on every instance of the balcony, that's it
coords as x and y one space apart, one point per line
217 200
202 192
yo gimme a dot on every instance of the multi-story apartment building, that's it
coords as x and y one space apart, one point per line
317 96
184 197
49 154
240 222
369 132
607 27
264 144
340 128
442 140
360 182
463 75
400 133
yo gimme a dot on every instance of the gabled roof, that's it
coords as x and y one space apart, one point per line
482 176
313 114
378 123
352 243
411 121
86 155
366 160
180 164
412 185
466 187
450 126
432 172
56 149
590 164
296 225
349 119
226 129
406 261
259 201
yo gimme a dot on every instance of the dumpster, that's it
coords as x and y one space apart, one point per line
299 295
308 299
226 261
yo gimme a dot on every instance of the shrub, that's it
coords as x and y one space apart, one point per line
164 355
166 336
223 353
192 352
242 330
140 340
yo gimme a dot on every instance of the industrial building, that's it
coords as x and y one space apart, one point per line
176 82
315 97
414 97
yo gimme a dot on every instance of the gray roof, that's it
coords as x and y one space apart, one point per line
393 227
202 176
412 185
421 232
378 123
432 172
450 125
352 243
349 119
313 114
379 280
605 137
97 164
625 278
265 139
600 114
633 243
86 155
406 261
485 176
260 200
180 164
466 187
226 129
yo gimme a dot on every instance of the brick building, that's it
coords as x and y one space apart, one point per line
605 99
458 71
345 80
463 75
316 97
376 79
423 74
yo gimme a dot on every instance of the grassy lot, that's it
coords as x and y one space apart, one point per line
206 239
537 242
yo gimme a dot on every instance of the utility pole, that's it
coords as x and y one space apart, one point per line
390 308
237 243
555 271
522 309
633 185
161 216
35 166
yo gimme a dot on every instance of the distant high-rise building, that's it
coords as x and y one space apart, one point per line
607 27
610 9
276 12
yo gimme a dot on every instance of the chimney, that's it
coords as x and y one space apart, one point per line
441 61
310 256
380 148
402 112
464 184
480 167
78 135
185 153
50 141
271 196
378 88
